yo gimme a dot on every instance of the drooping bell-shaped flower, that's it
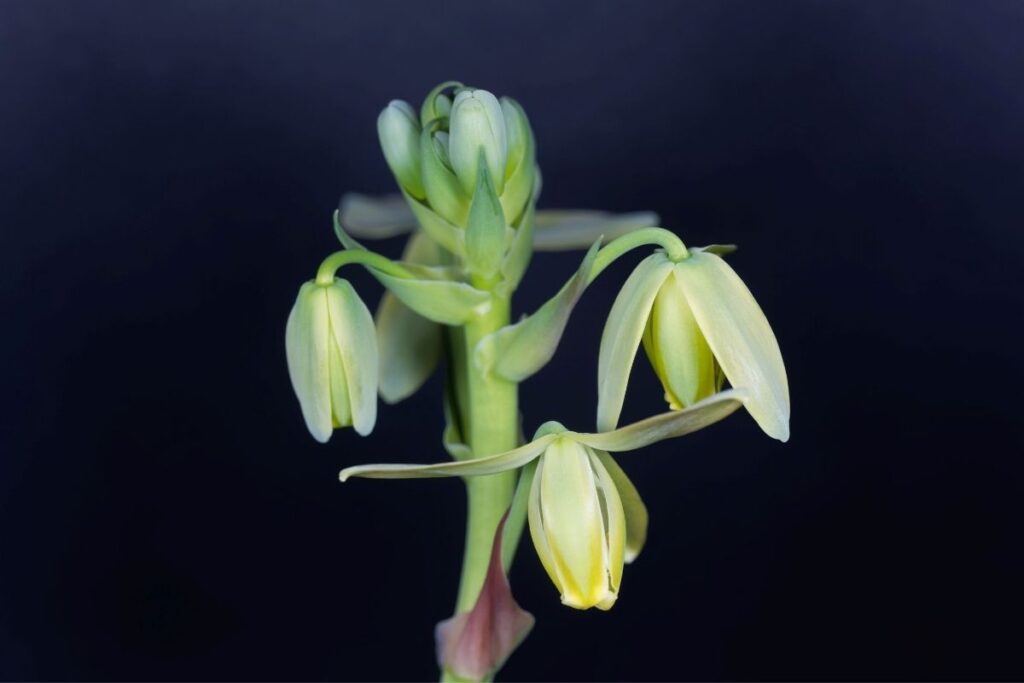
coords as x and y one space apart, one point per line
698 322
331 348
578 524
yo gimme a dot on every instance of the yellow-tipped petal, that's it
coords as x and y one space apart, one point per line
740 337
614 518
573 524
622 334
306 348
352 328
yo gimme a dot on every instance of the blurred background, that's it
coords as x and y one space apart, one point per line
167 177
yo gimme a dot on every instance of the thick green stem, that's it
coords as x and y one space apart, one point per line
490 414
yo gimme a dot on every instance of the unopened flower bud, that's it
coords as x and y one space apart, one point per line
331 348
477 122
399 131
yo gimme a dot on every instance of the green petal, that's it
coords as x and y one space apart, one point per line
571 513
632 506
410 345
492 464
740 337
666 425
537 531
622 334
352 328
306 348
677 348
517 351
564 230
376 217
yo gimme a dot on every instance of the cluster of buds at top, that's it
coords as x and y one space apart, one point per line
466 165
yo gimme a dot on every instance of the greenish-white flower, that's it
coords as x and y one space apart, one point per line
331 348
698 322
578 524
398 128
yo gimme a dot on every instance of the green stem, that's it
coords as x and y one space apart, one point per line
674 247
325 273
491 414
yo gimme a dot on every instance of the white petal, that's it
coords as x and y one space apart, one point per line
622 334
352 327
306 348
740 337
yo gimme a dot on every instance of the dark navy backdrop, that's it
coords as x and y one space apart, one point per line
167 175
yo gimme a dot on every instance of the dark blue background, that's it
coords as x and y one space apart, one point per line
167 175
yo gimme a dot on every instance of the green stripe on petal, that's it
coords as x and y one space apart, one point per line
622 334
353 331
666 425
740 337
492 464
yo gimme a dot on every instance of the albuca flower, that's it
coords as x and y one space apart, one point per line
699 325
578 525
332 358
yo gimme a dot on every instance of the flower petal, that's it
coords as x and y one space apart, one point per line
410 345
376 217
622 334
352 328
306 348
517 351
614 527
571 513
632 506
740 337
491 464
567 229
666 425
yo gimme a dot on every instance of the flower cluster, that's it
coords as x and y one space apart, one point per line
466 168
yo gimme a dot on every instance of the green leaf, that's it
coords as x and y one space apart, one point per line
740 337
444 192
666 425
622 334
517 351
485 230
717 249
492 464
565 230
430 110
437 228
